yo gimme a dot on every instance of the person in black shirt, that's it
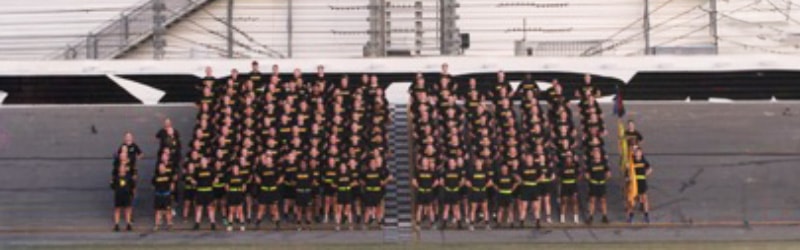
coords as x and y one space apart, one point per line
204 178
478 180
373 179
452 180
189 190
424 182
134 152
168 137
344 183
305 182
505 184
236 187
597 173
568 174
164 186
632 135
269 178
642 170
121 183
529 174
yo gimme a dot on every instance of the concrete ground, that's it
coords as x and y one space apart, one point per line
722 172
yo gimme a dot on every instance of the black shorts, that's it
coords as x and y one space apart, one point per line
641 185
504 200
304 198
344 197
204 198
252 190
122 199
528 193
451 197
189 194
568 189
356 193
287 192
219 193
162 202
477 196
329 190
597 190
268 197
424 198
372 198
547 188
235 198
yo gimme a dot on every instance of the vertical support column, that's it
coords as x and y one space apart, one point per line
159 21
450 42
290 27
125 30
419 32
646 27
387 25
229 23
376 46
91 46
712 15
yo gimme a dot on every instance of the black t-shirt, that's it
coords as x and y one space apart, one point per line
236 183
269 175
504 182
204 177
529 173
133 152
478 178
373 178
425 179
304 179
122 184
162 182
344 179
452 178
597 170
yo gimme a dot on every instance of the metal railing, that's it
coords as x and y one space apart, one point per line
130 29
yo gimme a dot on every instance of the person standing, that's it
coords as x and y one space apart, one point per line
122 184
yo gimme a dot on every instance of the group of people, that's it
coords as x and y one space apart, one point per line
313 150
300 150
478 154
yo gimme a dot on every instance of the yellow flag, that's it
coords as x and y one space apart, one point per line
626 165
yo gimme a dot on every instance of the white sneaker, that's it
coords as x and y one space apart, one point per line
549 220
562 219
575 218
230 228
241 228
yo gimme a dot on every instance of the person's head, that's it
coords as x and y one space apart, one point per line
234 73
631 125
203 162
587 78
342 167
445 68
596 154
478 164
167 123
568 157
254 66
209 71
235 169
320 70
128 138
122 170
528 158
297 73
637 152
501 76
504 169
275 70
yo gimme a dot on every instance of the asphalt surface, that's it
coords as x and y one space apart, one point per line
721 172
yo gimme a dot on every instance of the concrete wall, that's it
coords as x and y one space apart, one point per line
712 162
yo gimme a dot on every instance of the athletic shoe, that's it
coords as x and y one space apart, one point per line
129 228
116 228
605 219
213 226
538 223
241 228
230 228
196 226
589 220
647 218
